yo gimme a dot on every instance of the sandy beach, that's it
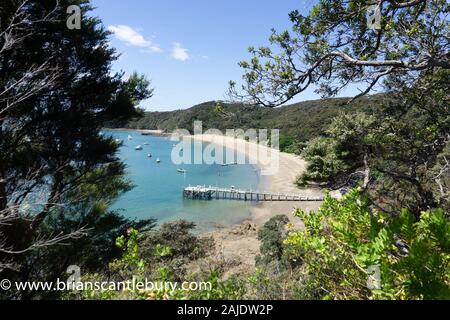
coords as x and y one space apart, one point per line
239 243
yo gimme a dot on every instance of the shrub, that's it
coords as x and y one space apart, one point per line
271 236
345 238
324 161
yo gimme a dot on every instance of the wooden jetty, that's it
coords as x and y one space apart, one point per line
215 193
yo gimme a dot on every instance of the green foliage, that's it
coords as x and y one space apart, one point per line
131 257
342 150
345 237
233 288
144 257
438 172
55 166
297 123
266 285
393 152
398 153
323 161
175 241
411 144
91 253
50 142
218 109
290 144
271 236
330 258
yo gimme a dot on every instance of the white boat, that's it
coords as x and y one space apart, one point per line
158 161
149 155
146 143
118 141
181 170
130 138
139 148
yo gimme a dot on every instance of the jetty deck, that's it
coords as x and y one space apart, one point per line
215 193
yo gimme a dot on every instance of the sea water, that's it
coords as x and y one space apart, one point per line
158 187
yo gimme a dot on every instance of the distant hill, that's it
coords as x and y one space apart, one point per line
299 122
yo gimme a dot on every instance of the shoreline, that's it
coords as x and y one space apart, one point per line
239 243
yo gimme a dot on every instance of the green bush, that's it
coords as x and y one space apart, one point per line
271 236
345 238
324 161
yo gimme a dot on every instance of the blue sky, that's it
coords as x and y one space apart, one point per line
190 49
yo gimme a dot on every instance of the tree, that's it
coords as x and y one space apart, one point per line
57 92
335 46
271 236
19 82
398 154
337 158
407 56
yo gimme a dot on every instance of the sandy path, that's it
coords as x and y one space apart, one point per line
239 243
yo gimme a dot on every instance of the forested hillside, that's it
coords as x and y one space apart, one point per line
301 121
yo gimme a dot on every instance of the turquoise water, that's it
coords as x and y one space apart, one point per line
158 187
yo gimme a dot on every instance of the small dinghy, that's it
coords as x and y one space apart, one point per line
181 170
138 148
149 155
158 160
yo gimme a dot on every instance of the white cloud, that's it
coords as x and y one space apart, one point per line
132 37
179 53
